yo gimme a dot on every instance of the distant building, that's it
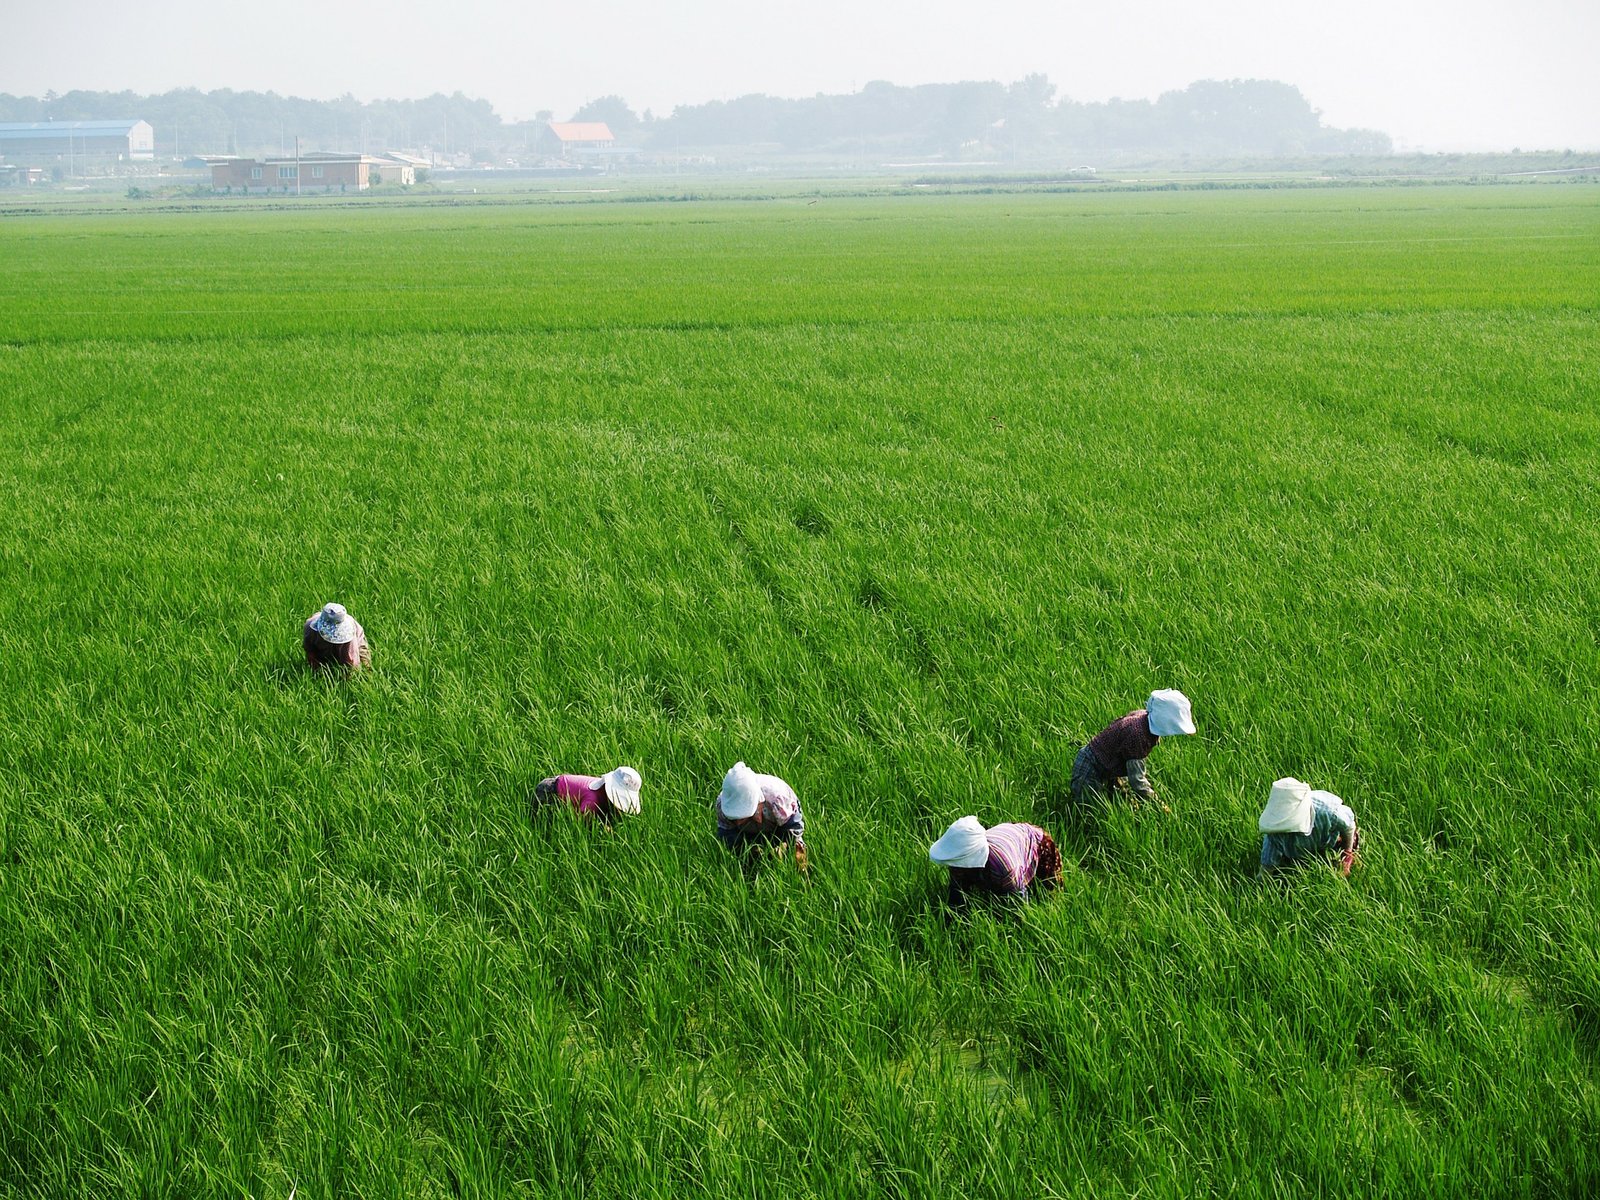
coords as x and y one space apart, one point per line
315 171
76 145
396 166
568 138
12 176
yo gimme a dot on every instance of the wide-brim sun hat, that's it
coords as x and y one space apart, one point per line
1288 808
741 793
964 844
622 789
1169 713
333 624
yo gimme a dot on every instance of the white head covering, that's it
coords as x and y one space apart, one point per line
622 789
741 793
964 844
334 625
1288 808
1169 713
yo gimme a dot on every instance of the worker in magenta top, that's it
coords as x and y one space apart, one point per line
333 638
1003 862
601 797
756 811
1118 751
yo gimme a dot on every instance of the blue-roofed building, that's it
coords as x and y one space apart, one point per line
75 145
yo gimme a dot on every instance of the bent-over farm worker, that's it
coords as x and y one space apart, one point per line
601 797
755 810
1301 824
333 638
1003 861
1118 751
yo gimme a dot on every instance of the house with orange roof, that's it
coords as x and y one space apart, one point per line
566 138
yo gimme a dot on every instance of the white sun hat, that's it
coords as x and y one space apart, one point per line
333 624
1169 713
622 788
741 793
1288 808
964 844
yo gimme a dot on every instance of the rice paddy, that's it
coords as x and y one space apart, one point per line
901 498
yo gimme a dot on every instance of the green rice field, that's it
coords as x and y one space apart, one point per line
901 498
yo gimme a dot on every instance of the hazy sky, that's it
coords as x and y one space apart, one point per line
1435 74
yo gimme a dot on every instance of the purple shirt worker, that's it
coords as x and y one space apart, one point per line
1118 751
600 797
333 638
1002 862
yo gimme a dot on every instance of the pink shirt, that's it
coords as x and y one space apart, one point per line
581 793
779 804
1013 862
1013 856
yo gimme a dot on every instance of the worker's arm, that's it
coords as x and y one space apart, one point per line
793 831
1347 850
1138 781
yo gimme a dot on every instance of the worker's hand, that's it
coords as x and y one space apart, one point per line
1349 860
800 857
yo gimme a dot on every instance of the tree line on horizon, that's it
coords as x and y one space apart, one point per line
1017 121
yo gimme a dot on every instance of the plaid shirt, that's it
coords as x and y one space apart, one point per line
1333 827
1127 739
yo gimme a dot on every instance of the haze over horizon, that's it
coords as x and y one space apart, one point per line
1434 74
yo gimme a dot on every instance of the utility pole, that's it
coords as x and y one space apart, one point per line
297 164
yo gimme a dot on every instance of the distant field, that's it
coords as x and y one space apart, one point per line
901 499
